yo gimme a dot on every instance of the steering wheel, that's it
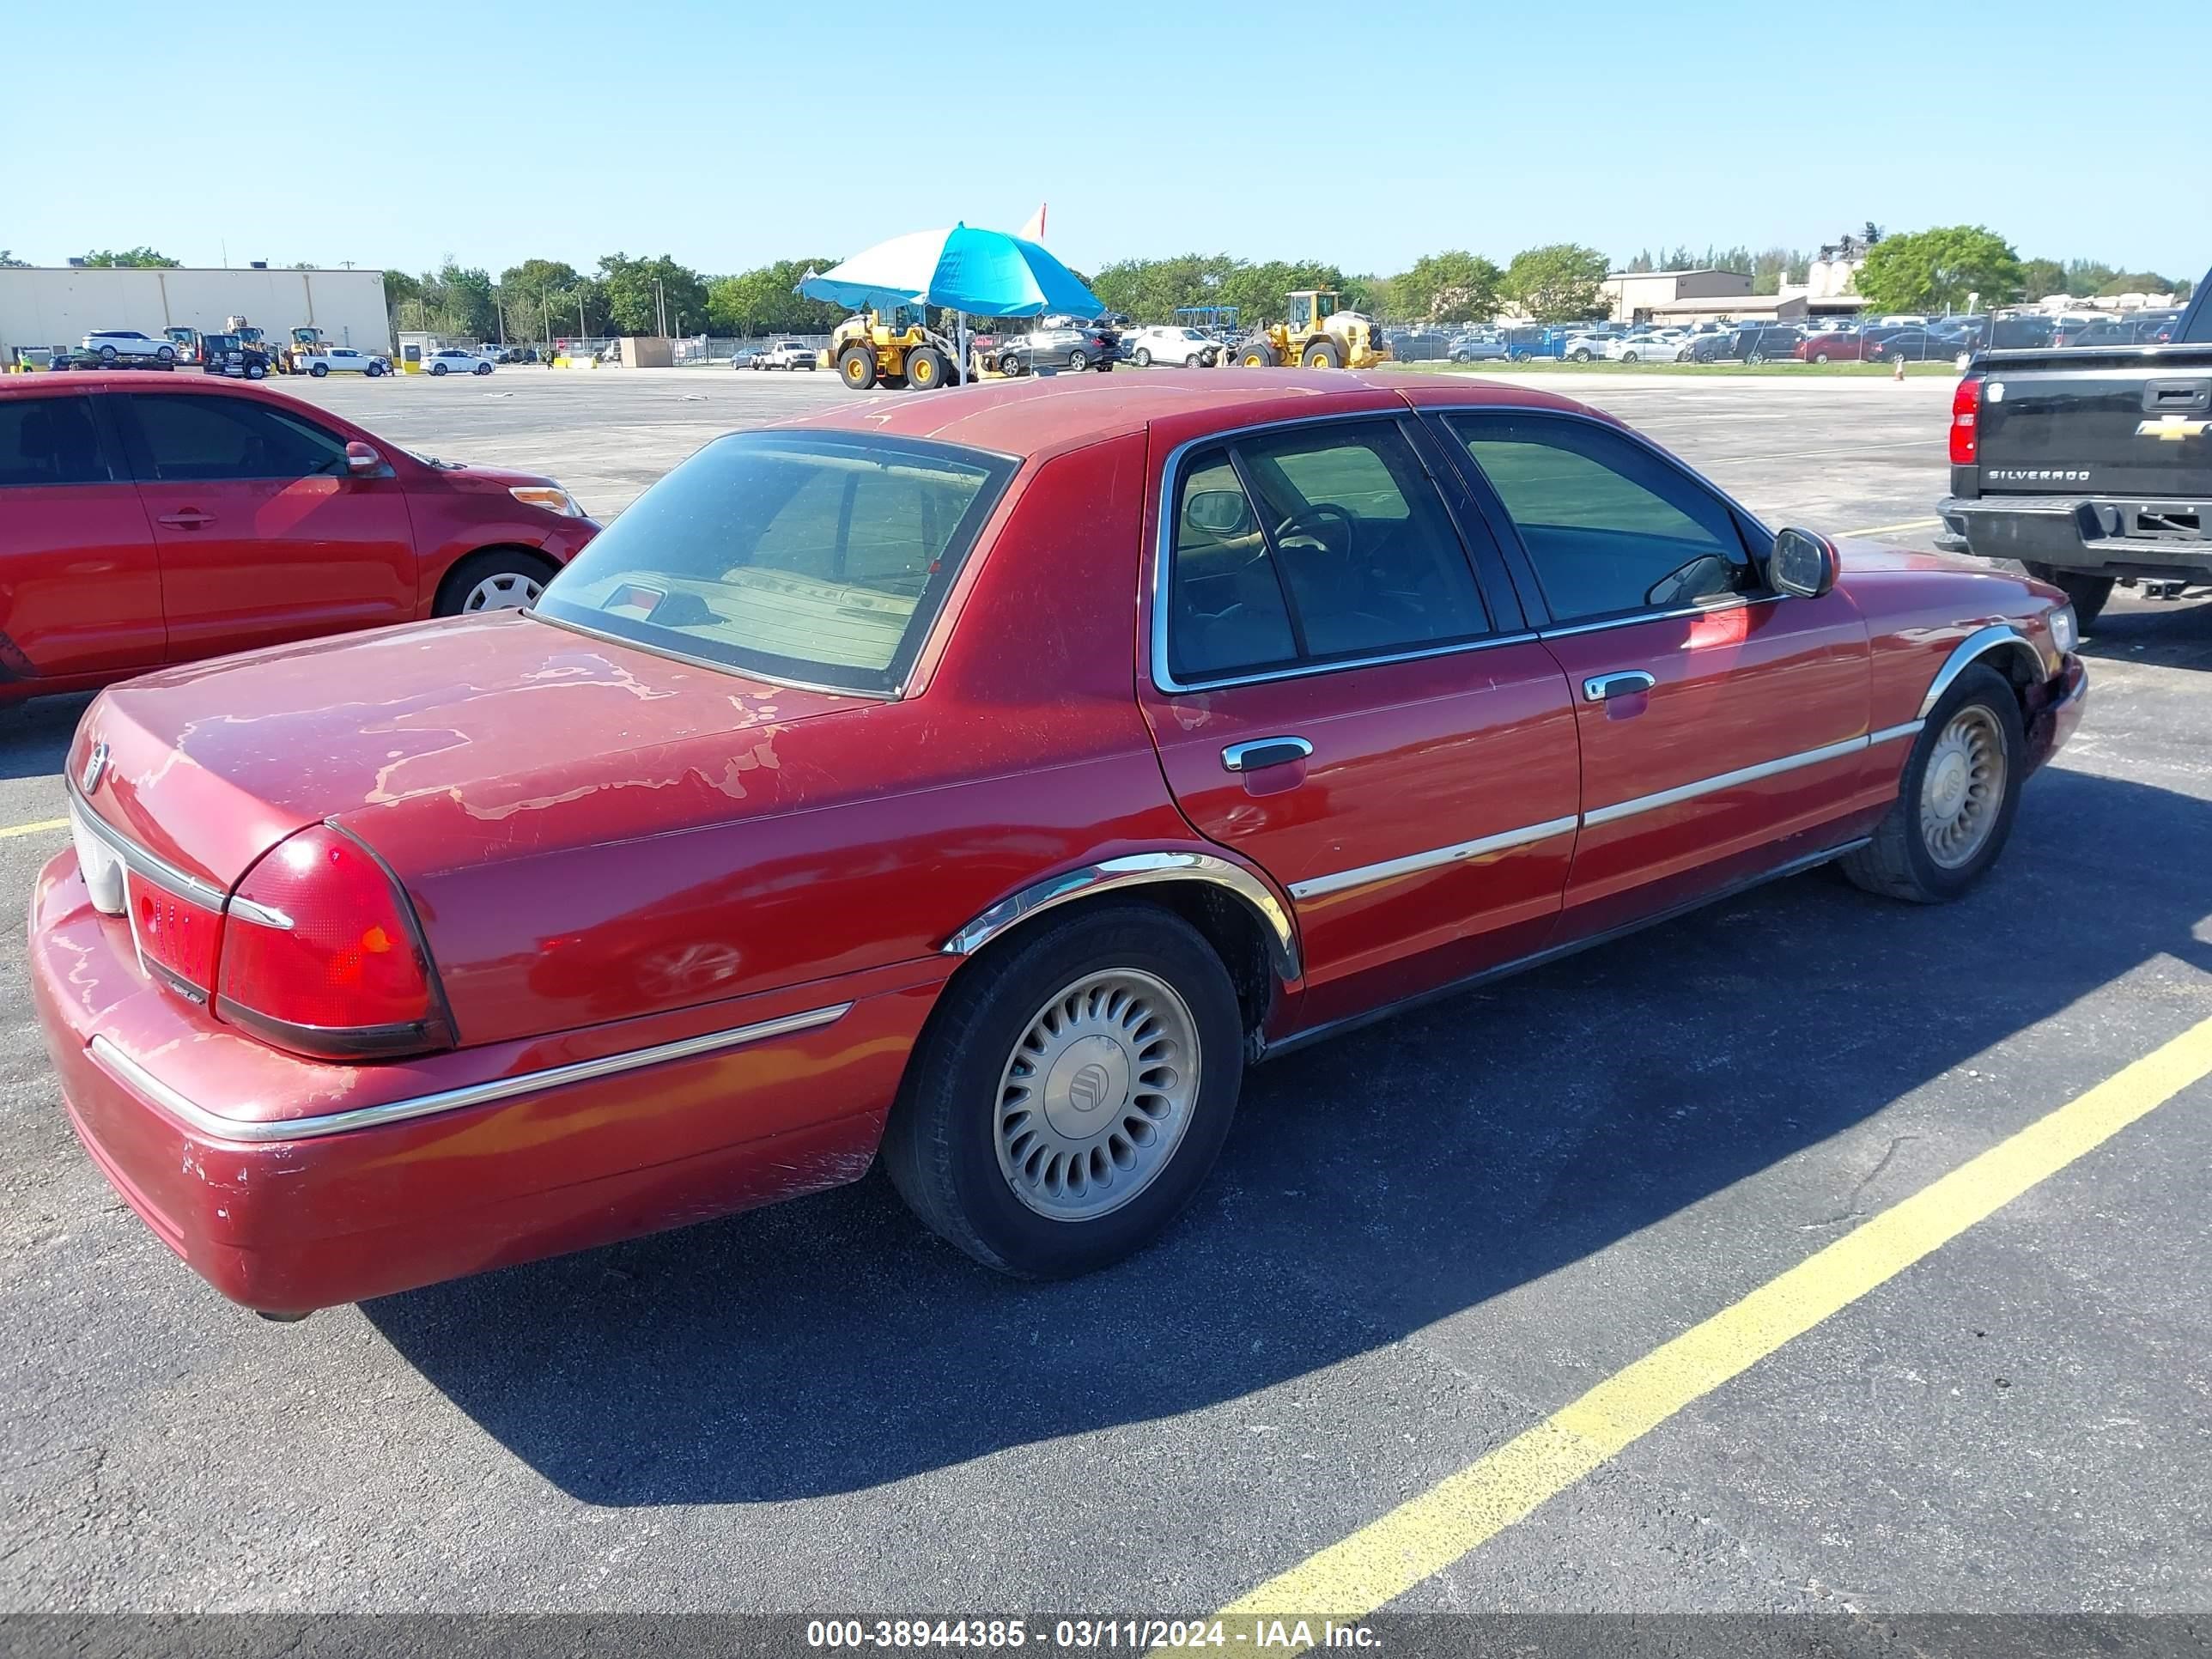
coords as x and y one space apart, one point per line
1326 523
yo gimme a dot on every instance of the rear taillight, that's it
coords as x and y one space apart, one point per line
322 955
1965 410
176 936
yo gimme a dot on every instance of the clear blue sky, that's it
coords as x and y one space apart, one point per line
1362 133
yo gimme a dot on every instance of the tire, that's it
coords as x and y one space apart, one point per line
1755 358
1256 354
1144 358
1819 356
437 368
1902 860
487 582
942 1145
1517 357
481 369
1628 357
166 354
924 368
107 354
1192 361
856 367
318 370
257 372
1077 362
1323 354
2085 592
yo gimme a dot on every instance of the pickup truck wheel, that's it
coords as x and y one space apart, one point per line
318 370
2085 592
497 579
1071 1094
1956 800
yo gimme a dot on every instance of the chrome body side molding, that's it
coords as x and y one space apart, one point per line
196 1117
1138 870
1366 874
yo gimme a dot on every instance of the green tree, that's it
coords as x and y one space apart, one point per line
1451 287
2041 277
132 256
539 299
2184 287
766 300
9 262
1940 270
2135 281
1559 283
635 291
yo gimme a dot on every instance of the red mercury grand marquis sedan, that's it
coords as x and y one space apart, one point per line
145 522
984 779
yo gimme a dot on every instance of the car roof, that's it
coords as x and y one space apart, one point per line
114 380
1046 415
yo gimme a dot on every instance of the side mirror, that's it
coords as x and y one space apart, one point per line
1217 512
1803 563
362 459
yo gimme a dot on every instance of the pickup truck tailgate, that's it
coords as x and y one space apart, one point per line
2092 423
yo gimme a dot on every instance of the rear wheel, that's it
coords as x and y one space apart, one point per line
1077 362
2085 592
437 368
1143 357
167 353
856 365
1323 354
1956 801
319 370
107 354
497 579
1071 1094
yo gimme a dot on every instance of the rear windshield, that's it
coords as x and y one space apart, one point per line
820 557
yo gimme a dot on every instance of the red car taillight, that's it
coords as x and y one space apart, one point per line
322 955
1965 410
176 936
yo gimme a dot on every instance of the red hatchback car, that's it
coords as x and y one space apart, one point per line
984 780
145 523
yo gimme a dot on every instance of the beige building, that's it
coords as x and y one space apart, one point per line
1742 308
59 305
1633 296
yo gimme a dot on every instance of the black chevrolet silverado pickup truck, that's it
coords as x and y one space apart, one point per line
2089 465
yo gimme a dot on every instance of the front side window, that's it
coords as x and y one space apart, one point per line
1610 528
201 438
821 557
1312 544
49 440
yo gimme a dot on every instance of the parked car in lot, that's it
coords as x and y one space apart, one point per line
452 360
109 345
1417 345
1830 346
1585 344
1170 344
1655 345
344 360
236 356
786 355
609 916
1052 344
142 526
1478 348
1914 345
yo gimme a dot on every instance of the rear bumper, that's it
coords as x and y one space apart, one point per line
187 1118
2099 535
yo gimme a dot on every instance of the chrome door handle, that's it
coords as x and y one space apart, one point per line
1598 687
1264 752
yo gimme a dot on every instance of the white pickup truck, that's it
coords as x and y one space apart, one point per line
785 354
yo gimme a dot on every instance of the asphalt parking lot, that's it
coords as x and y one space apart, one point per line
1423 1242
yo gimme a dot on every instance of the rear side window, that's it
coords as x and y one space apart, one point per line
49 440
1309 545
199 438
815 556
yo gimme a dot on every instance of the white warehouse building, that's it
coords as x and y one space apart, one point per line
59 305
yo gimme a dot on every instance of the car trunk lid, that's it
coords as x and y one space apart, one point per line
208 767
2102 423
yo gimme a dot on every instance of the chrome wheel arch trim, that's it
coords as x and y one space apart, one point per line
1995 636
1140 870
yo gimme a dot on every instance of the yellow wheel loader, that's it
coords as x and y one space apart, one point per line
871 350
1318 333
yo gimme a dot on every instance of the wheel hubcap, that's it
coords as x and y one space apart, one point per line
1096 1095
506 592
1963 788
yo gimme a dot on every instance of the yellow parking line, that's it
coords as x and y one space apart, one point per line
1895 529
1388 1556
37 828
